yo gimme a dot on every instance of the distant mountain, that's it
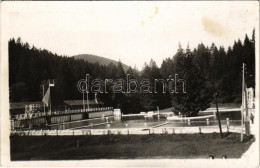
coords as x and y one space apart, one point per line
101 60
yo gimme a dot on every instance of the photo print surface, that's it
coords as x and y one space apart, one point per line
130 83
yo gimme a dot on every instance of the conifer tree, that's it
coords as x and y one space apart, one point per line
197 96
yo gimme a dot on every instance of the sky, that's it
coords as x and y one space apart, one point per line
133 32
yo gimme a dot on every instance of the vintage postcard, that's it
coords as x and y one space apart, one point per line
130 84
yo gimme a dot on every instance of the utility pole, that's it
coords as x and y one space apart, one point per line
83 101
50 94
218 116
43 96
87 90
50 85
247 117
243 104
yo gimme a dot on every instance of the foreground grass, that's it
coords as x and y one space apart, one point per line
127 146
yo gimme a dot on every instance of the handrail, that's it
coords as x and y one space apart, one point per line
42 114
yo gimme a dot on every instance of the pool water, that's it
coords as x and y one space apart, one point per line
142 122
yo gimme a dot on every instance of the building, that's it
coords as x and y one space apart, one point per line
250 100
23 107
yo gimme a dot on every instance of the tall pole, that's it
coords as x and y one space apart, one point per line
43 96
83 102
87 90
218 116
247 116
243 104
50 95
51 85
158 112
87 100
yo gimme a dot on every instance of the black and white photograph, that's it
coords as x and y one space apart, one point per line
130 84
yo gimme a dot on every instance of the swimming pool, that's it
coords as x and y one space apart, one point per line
147 122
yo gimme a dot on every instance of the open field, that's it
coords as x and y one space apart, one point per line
186 146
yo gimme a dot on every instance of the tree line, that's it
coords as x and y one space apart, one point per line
206 70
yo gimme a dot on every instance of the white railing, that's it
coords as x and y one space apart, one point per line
42 114
126 131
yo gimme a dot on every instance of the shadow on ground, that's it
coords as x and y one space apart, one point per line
175 146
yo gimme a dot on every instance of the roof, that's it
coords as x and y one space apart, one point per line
79 102
21 105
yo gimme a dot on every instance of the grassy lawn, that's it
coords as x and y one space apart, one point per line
220 105
226 105
127 146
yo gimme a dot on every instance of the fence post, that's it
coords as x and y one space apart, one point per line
227 121
199 130
77 143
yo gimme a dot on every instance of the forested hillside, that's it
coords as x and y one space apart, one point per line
221 70
101 60
206 69
30 68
